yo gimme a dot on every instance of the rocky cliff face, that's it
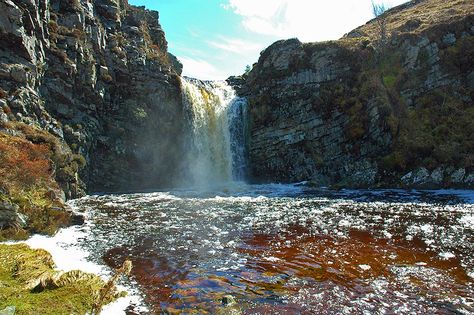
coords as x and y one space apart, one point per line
90 99
96 75
391 106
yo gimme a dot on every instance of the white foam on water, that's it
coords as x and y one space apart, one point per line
467 220
65 254
271 258
446 255
211 222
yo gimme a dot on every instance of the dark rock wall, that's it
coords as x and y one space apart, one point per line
354 112
358 113
305 116
96 74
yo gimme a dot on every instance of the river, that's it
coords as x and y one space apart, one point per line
287 249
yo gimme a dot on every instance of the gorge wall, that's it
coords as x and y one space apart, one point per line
389 104
97 75
90 100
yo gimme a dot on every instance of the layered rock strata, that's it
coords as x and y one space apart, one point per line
370 109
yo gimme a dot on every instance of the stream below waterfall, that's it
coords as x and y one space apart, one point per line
289 249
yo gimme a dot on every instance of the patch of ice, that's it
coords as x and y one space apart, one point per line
429 242
427 228
68 256
467 220
344 223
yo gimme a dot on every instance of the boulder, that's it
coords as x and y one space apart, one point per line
436 176
10 217
458 175
419 177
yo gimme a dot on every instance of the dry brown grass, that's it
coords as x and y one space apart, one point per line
418 17
30 282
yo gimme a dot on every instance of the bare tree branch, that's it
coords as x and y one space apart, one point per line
378 10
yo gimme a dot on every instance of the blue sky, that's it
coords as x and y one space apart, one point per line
218 38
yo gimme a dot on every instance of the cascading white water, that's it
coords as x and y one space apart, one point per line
217 115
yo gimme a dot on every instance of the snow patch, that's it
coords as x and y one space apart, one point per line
67 256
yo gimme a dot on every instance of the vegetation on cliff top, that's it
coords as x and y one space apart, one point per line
416 17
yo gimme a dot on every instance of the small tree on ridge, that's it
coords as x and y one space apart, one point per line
378 10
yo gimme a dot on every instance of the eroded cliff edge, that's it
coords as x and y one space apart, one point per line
90 99
369 110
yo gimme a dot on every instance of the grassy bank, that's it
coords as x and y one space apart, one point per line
29 282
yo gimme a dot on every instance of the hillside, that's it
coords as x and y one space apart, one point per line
390 104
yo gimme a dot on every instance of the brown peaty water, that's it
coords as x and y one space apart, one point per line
290 250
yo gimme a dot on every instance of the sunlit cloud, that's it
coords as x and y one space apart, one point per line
197 68
219 53
309 20
235 45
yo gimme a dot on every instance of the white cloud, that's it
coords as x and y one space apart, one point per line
235 45
201 69
219 56
309 20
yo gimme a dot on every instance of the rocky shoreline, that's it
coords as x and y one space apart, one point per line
64 256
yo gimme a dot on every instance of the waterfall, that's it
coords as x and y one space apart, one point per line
217 153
